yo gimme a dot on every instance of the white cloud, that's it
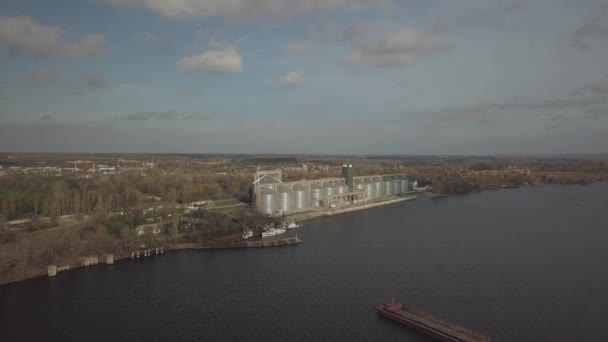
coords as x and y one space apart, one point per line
226 60
21 36
291 79
297 47
238 9
401 48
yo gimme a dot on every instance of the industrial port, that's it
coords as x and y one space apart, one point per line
274 197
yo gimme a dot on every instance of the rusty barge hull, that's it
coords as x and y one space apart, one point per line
429 325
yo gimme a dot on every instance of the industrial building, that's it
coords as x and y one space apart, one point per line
272 196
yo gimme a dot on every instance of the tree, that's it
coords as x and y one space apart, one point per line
53 207
4 214
115 228
174 224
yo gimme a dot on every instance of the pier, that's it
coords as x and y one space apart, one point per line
430 325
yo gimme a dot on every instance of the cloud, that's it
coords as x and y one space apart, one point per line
597 88
54 135
166 115
40 75
243 9
297 47
21 36
226 60
593 29
484 18
356 32
291 79
144 36
88 82
164 43
46 118
590 99
401 48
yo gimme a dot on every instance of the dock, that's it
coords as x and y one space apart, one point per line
430 325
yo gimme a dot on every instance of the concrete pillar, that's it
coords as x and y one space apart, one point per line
52 270
109 259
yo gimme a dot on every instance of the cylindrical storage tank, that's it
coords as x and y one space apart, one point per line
317 196
378 189
341 189
370 189
388 188
405 185
268 202
330 190
397 187
286 200
302 199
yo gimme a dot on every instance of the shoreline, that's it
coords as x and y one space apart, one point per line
218 244
227 243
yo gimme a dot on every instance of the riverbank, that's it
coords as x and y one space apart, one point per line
310 214
350 209
240 244
226 242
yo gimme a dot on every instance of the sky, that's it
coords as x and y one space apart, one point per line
398 77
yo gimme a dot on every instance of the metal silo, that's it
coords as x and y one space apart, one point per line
388 188
405 185
378 189
359 186
286 200
370 189
317 196
341 189
397 187
330 190
302 199
268 202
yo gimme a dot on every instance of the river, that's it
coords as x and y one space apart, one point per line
516 264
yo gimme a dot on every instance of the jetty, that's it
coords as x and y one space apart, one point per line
430 325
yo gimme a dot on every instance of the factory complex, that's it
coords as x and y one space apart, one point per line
272 196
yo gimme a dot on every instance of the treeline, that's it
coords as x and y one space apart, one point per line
455 186
39 196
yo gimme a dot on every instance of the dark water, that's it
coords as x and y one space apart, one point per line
518 265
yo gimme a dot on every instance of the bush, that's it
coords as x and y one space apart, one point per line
115 227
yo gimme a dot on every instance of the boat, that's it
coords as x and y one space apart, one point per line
429 325
273 232
292 225
247 234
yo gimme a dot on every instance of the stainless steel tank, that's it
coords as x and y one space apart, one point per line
330 190
388 188
397 187
379 189
267 202
341 189
317 196
302 199
286 200
405 184
369 189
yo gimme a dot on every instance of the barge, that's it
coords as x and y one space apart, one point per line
429 325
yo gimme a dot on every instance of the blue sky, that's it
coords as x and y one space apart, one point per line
304 76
